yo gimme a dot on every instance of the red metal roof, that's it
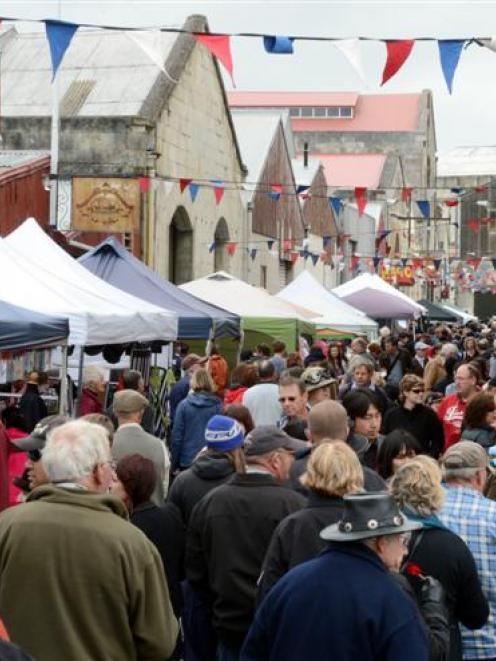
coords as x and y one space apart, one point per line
374 112
351 170
287 99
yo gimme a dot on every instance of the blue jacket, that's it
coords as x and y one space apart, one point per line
343 606
188 433
179 391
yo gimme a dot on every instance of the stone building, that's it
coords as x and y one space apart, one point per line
123 116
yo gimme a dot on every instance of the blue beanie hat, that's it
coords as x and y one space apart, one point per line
223 433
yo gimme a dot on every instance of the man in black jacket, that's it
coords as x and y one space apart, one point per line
397 362
229 532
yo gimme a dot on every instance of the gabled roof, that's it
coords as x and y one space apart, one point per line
351 170
372 112
467 161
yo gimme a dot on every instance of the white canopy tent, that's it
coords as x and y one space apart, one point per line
465 317
306 291
378 299
36 273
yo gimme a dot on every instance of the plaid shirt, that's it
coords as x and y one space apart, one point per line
473 518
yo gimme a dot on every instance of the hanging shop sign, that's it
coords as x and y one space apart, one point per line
398 275
105 205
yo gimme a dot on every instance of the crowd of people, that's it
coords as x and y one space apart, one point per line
336 503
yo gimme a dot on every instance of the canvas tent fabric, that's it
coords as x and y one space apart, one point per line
261 312
48 280
305 290
21 328
464 317
378 299
196 319
438 312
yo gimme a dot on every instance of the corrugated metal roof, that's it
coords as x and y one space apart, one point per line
10 158
287 99
467 161
123 74
351 170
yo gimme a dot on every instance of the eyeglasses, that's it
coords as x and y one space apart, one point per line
417 391
34 455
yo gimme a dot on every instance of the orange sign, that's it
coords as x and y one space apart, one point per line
105 205
398 275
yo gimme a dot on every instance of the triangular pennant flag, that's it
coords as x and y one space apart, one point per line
351 49
425 208
315 258
397 54
493 260
287 244
449 54
451 203
457 190
361 199
152 44
474 225
480 189
336 204
218 190
167 187
231 247
301 189
326 240
404 261
193 190
417 263
437 263
211 246
144 184
275 192
59 35
406 194
220 46
184 183
278 45
253 253
294 256
376 261
270 243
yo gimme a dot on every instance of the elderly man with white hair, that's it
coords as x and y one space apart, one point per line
77 580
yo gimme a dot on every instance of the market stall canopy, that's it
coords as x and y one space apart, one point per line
22 329
378 299
260 311
305 290
438 312
117 266
464 317
34 271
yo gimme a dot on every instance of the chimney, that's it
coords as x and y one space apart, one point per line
305 155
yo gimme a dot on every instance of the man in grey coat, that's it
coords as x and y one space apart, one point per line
130 438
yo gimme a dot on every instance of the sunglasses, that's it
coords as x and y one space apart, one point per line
417 391
34 455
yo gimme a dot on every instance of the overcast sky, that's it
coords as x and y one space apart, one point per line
467 117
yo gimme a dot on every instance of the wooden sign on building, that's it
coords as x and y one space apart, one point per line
105 204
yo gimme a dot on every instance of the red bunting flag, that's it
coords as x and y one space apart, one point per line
397 54
474 262
183 184
294 256
480 189
144 184
354 262
451 203
231 247
361 199
276 188
220 46
219 194
406 194
474 225
287 244
417 263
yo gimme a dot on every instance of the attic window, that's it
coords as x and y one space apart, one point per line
335 112
75 97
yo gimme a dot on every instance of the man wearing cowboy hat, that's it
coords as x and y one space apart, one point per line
344 604
318 383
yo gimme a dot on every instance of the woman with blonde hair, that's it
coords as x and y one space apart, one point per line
192 416
437 551
333 470
414 416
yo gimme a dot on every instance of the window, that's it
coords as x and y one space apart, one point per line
307 112
319 112
345 111
333 112
294 112
263 277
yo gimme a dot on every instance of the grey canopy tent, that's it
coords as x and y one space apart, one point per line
438 313
21 328
197 319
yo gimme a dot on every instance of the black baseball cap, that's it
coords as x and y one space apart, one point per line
37 438
269 438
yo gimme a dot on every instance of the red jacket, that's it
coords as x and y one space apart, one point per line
89 403
234 396
451 412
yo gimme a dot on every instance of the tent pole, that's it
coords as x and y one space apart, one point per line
63 383
80 380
